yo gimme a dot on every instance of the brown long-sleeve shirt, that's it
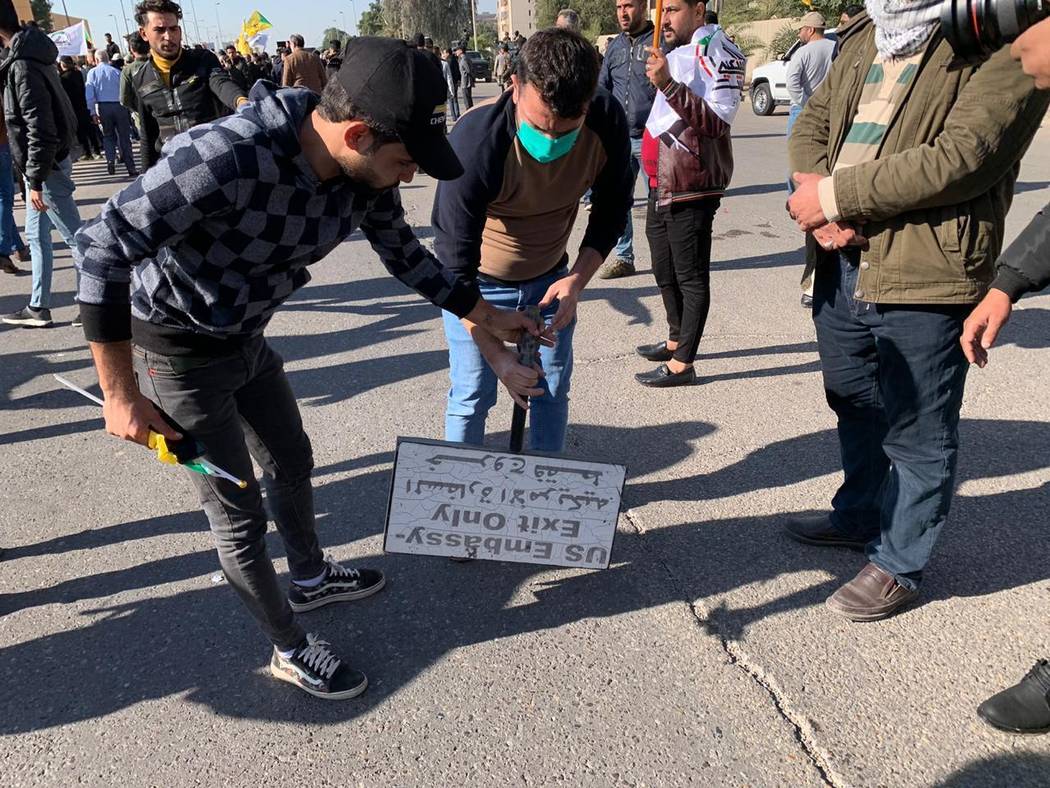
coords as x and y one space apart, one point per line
304 69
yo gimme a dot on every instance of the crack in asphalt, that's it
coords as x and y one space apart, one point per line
801 729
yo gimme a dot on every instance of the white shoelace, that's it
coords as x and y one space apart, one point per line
337 570
318 658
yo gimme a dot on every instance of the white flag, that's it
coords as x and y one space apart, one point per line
71 40
710 66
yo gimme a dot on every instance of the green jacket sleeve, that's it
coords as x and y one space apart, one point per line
808 143
986 133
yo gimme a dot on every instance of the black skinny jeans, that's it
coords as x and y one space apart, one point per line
680 243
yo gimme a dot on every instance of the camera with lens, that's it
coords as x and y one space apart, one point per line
976 29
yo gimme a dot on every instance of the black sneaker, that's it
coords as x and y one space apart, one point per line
77 322
111 167
340 585
1024 707
29 317
315 669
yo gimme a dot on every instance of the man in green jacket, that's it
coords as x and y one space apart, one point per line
905 171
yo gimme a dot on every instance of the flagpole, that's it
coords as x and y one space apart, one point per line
196 22
123 13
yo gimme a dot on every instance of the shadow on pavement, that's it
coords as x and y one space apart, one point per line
202 644
1020 770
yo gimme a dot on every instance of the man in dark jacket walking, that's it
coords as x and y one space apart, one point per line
623 75
178 88
73 84
466 78
41 126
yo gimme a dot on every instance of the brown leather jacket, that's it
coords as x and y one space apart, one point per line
701 171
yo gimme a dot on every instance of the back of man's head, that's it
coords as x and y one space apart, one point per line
851 11
297 41
568 20
102 56
562 67
9 24
139 46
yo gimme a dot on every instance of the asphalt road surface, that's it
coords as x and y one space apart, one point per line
703 656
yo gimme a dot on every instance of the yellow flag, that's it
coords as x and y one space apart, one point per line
250 30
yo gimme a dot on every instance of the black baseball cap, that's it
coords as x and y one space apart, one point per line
402 88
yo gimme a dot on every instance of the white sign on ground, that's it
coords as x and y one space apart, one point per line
447 499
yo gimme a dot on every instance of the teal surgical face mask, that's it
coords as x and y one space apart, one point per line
541 147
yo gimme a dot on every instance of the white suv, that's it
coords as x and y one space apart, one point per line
769 82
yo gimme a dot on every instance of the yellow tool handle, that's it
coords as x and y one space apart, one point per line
160 445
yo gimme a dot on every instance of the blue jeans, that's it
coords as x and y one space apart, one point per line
116 133
62 213
793 114
474 384
10 242
625 246
894 375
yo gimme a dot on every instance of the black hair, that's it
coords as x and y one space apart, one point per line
138 45
336 45
336 106
852 10
9 17
143 9
563 67
711 18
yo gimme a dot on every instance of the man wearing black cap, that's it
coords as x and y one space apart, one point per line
182 271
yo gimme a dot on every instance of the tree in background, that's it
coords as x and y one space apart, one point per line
597 17
333 34
42 14
442 20
371 21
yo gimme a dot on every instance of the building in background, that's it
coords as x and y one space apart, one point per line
515 15
60 20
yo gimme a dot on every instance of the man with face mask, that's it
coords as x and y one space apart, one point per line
182 271
529 157
905 167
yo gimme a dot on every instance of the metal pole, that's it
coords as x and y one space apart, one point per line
474 22
196 22
123 13
353 6
218 27
66 12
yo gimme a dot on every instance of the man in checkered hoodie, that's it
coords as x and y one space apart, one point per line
182 270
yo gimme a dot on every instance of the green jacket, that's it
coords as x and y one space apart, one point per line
933 204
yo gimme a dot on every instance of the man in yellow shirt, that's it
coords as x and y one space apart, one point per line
177 88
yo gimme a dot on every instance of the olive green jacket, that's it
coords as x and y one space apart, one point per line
933 204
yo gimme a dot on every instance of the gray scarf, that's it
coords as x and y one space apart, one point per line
903 27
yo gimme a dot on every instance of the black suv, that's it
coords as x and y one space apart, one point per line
479 66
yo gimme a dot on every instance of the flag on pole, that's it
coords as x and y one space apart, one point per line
253 33
71 40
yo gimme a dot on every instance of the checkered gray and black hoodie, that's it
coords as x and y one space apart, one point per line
210 241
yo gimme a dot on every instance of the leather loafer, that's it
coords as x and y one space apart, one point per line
1024 707
657 352
871 596
663 377
816 529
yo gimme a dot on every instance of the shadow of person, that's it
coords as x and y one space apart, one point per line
1028 328
200 642
1015 770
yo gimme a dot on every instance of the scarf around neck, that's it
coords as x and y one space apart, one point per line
903 27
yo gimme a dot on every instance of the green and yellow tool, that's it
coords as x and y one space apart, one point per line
185 452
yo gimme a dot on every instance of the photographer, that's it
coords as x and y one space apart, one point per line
1023 268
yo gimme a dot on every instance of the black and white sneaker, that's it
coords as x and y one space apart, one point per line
29 317
339 585
315 669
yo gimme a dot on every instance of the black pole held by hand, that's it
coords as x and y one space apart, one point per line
528 346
